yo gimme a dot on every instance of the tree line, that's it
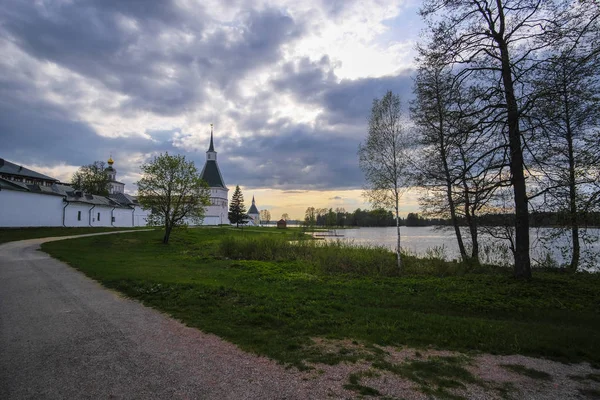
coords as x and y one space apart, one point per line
504 123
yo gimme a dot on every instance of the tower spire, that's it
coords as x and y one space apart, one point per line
211 147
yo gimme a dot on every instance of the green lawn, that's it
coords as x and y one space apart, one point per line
12 234
277 308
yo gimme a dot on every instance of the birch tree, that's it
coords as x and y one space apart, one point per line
383 158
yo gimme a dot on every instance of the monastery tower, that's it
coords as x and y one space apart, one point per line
216 212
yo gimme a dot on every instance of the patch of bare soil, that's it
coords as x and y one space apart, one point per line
393 373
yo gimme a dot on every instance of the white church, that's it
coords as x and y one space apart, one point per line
29 199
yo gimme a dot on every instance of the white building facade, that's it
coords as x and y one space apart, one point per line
50 203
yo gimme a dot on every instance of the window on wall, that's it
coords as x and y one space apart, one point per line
113 219
98 216
78 215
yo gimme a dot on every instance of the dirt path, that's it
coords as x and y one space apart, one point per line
62 335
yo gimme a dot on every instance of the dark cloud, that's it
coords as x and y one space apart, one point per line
36 132
296 157
336 198
164 59
345 102
350 101
153 52
307 80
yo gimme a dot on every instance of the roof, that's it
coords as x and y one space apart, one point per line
74 196
10 185
9 168
211 174
253 209
211 147
69 194
124 199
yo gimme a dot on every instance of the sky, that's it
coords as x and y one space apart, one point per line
287 84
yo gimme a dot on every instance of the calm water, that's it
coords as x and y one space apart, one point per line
421 240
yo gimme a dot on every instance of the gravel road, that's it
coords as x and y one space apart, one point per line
63 336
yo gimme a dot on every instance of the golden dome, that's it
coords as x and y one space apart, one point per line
110 161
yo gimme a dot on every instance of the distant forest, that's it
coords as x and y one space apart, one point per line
381 217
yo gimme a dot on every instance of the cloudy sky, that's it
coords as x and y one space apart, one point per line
288 85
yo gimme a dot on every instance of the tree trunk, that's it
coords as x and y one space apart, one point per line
474 240
398 258
522 269
472 226
572 194
461 245
167 234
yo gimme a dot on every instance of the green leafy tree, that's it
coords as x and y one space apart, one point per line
237 210
172 188
310 217
91 179
285 216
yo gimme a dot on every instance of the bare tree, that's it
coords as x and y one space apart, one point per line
265 215
383 158
496 42
434 113
569 113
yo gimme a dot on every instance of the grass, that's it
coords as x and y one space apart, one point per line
436 376
13 234
355 385
279 306
529 372
340 257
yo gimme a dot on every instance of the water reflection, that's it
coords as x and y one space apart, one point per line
420 240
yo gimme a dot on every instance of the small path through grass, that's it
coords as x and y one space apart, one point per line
65 336
15 234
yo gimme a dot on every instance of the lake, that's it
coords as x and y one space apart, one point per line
421 240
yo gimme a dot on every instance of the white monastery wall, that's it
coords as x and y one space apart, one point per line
77 214
140 216
25 209
123 217
101 216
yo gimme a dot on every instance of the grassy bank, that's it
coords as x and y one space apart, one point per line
13 234
277 304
